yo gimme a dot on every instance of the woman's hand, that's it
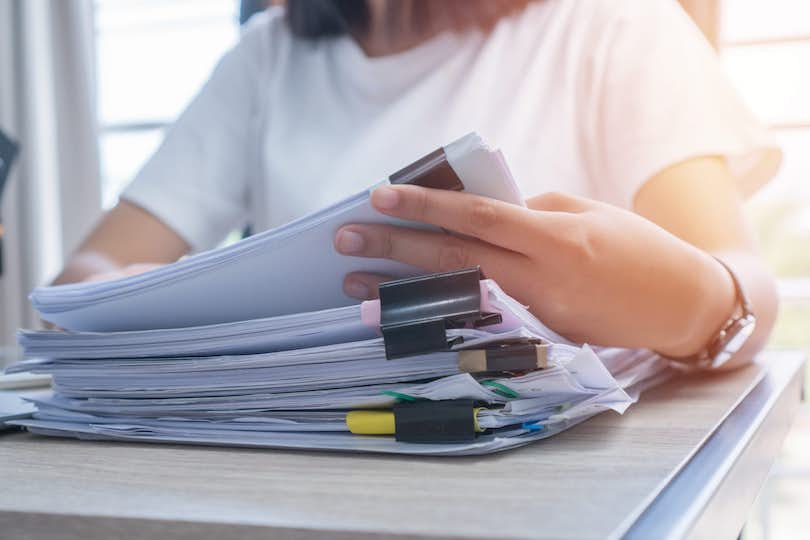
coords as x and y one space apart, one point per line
107 275
593 272
126 271
126 236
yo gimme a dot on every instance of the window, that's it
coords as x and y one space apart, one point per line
765 47
152 56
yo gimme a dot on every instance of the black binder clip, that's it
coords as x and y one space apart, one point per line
432 171
449 421
515 356
415 313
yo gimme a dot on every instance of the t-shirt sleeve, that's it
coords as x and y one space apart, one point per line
197 180
657 95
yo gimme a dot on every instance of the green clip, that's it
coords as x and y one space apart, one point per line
501 389
397 395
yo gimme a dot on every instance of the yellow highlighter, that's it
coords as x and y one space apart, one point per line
422 421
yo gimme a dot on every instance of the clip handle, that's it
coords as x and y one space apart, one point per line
509 357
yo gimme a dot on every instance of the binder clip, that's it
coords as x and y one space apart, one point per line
415 313
431 171
517 356
448 421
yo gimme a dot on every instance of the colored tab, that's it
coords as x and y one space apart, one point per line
371 422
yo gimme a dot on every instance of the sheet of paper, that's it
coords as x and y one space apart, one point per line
284 332
291 269
321 440
13 407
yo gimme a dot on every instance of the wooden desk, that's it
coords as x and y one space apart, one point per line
687 460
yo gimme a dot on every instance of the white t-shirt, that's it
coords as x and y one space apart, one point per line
589 97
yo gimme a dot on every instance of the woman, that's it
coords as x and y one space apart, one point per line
619 104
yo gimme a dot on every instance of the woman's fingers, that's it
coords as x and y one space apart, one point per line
362 285
130 270
435 252
553 201
496 222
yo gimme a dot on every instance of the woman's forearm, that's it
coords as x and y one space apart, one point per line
698 201
126 237
84 264
704 299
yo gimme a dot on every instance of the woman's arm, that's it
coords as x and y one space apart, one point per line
127 236
698 201
592 271
198 179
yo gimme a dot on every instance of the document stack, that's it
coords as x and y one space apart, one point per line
254 344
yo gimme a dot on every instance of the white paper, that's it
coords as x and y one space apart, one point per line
290 269
284 332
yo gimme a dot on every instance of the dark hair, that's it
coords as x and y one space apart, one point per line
314 19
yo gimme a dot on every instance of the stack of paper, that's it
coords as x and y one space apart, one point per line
299 398
291 269
254 345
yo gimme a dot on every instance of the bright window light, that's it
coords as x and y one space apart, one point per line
152 58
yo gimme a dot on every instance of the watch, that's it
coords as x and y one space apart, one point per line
731 337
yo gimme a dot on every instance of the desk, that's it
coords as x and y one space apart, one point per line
687 460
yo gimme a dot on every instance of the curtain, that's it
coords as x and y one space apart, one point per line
47 104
